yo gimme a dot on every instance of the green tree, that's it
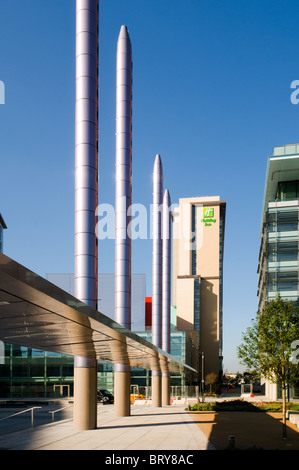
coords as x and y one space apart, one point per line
211 379
267 345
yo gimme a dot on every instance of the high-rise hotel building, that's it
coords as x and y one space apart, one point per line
198 242
278 258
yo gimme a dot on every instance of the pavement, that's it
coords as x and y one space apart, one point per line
169 428
148 428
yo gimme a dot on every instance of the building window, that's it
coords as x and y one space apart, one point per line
283 227
283 281
196 304
287 190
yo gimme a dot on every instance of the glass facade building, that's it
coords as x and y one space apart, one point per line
278 258
34 373
279 254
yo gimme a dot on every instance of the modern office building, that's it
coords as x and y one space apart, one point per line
278 258
198 243
183 345
26 372
34 373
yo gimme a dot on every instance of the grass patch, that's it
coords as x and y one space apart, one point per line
231 405
277 406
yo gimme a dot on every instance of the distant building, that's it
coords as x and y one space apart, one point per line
106 295
278 258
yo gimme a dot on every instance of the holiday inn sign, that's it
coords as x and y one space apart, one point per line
208 214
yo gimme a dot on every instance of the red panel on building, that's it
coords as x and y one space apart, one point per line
148 312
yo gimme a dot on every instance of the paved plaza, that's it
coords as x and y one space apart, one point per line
148 428
169 428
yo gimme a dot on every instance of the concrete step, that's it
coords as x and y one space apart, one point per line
293 417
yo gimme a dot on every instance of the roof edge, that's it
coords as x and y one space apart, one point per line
2 223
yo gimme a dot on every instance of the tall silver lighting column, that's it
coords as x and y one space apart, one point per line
123 202
86 195
166 271
157 253
157 274
166 287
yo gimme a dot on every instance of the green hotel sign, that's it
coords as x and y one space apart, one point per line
208 214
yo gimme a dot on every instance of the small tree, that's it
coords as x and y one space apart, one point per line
211 379
267 345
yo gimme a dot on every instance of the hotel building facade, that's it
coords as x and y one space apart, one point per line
278 258
198 243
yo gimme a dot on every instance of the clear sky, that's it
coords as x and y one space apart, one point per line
211 94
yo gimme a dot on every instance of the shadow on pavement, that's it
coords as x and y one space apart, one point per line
17 417
252 430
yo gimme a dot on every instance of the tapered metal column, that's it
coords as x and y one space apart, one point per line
86 197
157 253
157 274
166 288
123 202
166 271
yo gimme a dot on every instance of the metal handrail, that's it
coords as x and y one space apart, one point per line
60 409
25 411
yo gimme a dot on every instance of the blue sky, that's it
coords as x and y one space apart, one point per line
211 94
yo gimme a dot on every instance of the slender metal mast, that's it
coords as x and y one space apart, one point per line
166 271
86 199
123 203
86 164
157 253
123 194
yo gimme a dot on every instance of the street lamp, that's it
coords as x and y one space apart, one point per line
202 375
